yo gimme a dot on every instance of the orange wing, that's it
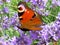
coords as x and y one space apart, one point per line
27 15
33 24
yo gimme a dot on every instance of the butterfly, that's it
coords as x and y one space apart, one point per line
28 18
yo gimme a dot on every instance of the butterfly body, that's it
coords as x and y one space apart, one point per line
28 18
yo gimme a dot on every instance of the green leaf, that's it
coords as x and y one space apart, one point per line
16 33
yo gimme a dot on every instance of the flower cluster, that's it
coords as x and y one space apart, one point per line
9 22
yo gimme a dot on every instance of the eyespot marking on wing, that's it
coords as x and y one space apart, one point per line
21 8
20 14
33 16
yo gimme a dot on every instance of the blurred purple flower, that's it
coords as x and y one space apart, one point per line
14 20
49 31
2 42
9 41
8 1
24 40
6 10
58 2
45 2
54 2
1 2
40 4
5 18
12 41
41 43
5 23
44 33
34 2
34 35
15 27
57 23
58 33
5 26
26 0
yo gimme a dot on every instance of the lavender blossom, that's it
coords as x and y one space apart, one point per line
6 10
49 32
2 42
8 1
1 2
54 2
34 2
11 41
5 23
34 35
45 1
14 20
26 0
44 34
58 2
24 40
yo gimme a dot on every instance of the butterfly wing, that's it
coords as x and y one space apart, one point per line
34 23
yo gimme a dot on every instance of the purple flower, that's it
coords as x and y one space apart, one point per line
34 2
14 20
5 18
8 42
54 1
12 41
24 40
45 2
16 28
2 42
34 34
8 1
58 2
6 10
5 23
26 0
58 33
43 43
45 34
5 26
1 3
48 32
